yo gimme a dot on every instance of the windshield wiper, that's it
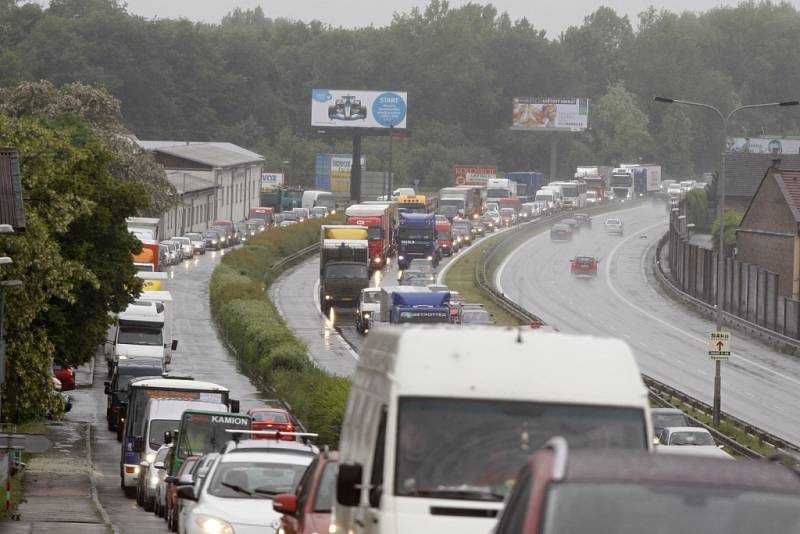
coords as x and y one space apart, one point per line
237 489
262 491
458 493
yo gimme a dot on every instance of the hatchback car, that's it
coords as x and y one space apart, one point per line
583 266
584 219
272 419
666 417
469 316
416 278
488 223
187 249
238 491
319 212
617 491
66 375
560 232
198 242
614 227
572 223
212 240
421 264
308 509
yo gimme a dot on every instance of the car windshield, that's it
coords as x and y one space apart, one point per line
136 335
635 508
415 233
612 222
348 271
420 265
691 438
477 453
370 297
323 504
664 420
374 232
202 433
148 268
291 216
125 378
254 480
476 317
157 429
269 416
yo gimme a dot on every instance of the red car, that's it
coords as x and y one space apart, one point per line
314 496
66 375
272 419
583 266
622 491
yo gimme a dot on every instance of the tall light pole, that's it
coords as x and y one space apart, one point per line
721 253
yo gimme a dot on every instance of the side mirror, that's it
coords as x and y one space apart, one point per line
171 479
348 484
107 388
159 465
235 406
174 344
186 492
285 503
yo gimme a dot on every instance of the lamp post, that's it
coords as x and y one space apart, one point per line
721 253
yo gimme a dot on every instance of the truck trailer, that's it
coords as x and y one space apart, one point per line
527 183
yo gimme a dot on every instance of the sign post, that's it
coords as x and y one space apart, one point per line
719 350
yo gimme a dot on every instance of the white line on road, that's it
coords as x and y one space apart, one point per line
686 333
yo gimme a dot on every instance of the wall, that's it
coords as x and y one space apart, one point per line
239 189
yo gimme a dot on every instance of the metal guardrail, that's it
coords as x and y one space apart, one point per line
658 390
295 257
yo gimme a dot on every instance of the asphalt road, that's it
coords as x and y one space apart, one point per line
200 353
759 385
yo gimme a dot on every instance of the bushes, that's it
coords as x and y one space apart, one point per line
267 348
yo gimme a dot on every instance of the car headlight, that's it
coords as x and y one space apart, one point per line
150 457
213 525
430 258
377 259
401 258
153 481
367 315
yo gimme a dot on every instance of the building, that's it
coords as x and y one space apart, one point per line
744 172
769 234
214 181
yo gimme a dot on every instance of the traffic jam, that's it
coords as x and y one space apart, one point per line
432 440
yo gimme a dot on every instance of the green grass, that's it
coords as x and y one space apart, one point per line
461 278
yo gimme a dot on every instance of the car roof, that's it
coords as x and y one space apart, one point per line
267 445
632 466
675 429
665 411
613 220
560 225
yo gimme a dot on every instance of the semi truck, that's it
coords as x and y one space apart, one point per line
527 183
416 238
409 304
263 214
444 237
377 219
597 179
343 265
463 202
500 188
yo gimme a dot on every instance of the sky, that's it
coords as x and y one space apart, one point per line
543 14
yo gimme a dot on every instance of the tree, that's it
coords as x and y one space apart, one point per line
697 209
620 127
733 217
674 139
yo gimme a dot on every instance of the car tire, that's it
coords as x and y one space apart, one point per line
129 491
148 503
139 495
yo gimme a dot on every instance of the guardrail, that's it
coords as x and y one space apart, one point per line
295 257
658 390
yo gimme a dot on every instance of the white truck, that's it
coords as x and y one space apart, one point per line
143 330
497 188
439 420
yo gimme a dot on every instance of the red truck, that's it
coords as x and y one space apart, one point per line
444 236
377 219
265 214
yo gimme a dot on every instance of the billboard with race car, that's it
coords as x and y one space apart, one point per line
543 113
334 108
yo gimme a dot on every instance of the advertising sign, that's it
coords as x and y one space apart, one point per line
547 114
271 180
335 108
340 173
764 145
477 175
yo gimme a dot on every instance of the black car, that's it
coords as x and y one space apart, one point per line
117 388
347 108
561 232
211 239
584 219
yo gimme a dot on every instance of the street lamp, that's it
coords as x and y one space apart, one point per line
721 253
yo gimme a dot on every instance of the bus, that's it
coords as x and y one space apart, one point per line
415 204
573 193
133 413
202 432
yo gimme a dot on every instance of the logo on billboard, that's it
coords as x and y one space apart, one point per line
271 180
542 113
764 145
474 175
358 109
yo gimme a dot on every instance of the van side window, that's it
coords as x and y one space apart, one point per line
376 478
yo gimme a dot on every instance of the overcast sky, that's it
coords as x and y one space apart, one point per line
545 14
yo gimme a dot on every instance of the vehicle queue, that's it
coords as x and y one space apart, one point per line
452 443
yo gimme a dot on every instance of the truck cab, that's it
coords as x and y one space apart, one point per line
416 237
343 265
139 332
444 237
419 307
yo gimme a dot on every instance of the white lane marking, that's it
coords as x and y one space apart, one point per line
329 325
685 333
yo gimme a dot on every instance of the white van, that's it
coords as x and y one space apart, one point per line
440 419
312 199
546 195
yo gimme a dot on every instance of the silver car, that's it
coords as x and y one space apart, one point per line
187 249
198 242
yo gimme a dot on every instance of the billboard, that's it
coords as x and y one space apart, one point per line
477 175
548 114
333 172
271 180
764 145
337 108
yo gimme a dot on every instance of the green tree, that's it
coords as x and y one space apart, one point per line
697 209
620 127
733 217
674 142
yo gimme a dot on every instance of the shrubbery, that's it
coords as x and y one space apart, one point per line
268 349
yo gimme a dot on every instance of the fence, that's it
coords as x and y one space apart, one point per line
749 292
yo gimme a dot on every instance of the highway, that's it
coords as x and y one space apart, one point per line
759 385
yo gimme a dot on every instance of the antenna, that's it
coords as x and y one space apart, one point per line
519 334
